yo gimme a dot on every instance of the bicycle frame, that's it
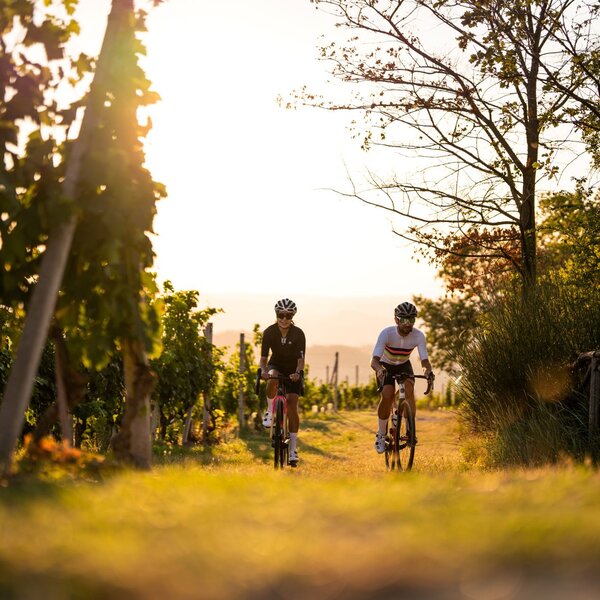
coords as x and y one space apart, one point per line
400 439
279 431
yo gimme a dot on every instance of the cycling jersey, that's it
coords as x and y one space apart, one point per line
395 349
285 350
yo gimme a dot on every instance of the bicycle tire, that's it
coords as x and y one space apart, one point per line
279 448
391 454
405 437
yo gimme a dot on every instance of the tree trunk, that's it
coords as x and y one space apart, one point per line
133 445
528 233
74 383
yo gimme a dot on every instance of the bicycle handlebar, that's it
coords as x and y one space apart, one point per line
284 378
402 377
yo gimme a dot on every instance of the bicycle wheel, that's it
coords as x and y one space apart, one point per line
391 447
279 446
405 437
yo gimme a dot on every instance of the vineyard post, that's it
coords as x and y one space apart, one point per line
241 388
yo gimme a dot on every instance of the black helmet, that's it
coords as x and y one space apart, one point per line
405 310
286 305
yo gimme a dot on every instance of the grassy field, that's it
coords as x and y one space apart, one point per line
220 524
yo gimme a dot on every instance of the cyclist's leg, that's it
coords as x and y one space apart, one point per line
385 407
271 393
293 416
293 424
409 389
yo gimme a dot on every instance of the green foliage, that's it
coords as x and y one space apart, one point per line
570 237
516 386
232 378
108 295
33 64
185 368
449 323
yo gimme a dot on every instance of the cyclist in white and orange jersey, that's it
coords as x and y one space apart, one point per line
391 356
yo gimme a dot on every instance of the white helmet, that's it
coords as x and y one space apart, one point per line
286 305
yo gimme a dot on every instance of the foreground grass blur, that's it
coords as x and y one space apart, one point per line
222 524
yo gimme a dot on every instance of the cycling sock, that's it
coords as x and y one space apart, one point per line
382 426
270 404
293 440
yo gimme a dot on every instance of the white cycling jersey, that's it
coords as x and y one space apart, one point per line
395 349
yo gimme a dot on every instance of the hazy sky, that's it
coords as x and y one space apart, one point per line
250 215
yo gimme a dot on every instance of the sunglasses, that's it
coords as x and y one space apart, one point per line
406 320
285 315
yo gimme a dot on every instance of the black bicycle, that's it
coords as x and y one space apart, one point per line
279 431
401 430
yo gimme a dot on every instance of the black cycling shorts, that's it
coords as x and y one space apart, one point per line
396 370
292 387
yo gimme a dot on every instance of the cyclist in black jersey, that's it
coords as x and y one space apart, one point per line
287 346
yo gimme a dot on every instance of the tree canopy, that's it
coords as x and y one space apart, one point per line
469 88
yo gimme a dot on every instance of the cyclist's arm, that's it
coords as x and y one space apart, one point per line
377 366
423 355
426 366
299 370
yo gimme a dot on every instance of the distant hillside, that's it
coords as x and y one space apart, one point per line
320 359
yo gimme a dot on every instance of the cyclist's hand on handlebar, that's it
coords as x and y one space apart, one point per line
381 373
294 376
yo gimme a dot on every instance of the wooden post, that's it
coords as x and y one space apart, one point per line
241 390
356 376
336 391
208 334
64 416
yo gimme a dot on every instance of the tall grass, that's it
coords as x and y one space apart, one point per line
517 387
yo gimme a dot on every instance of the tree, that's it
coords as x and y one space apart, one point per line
472 100
111 197
569 251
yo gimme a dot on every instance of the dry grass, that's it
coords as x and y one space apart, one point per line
223 525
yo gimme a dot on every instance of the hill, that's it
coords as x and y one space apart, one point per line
353 361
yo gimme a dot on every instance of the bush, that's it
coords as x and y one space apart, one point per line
516 387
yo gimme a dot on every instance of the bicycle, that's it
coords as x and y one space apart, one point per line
401 430
279 433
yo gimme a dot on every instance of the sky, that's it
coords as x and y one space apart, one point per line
252 213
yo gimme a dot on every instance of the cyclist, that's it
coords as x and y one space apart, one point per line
287 345
391 356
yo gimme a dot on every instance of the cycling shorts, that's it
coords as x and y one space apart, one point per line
292 387
405 367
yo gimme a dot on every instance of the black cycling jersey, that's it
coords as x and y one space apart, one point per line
285 350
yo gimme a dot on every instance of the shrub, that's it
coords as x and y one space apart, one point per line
516 387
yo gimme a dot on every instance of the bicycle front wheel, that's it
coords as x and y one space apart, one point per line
405 437
279 441
391 447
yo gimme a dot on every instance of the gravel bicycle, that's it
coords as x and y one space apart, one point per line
279 432
401 431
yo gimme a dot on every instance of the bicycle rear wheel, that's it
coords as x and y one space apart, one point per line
405 437
279 441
